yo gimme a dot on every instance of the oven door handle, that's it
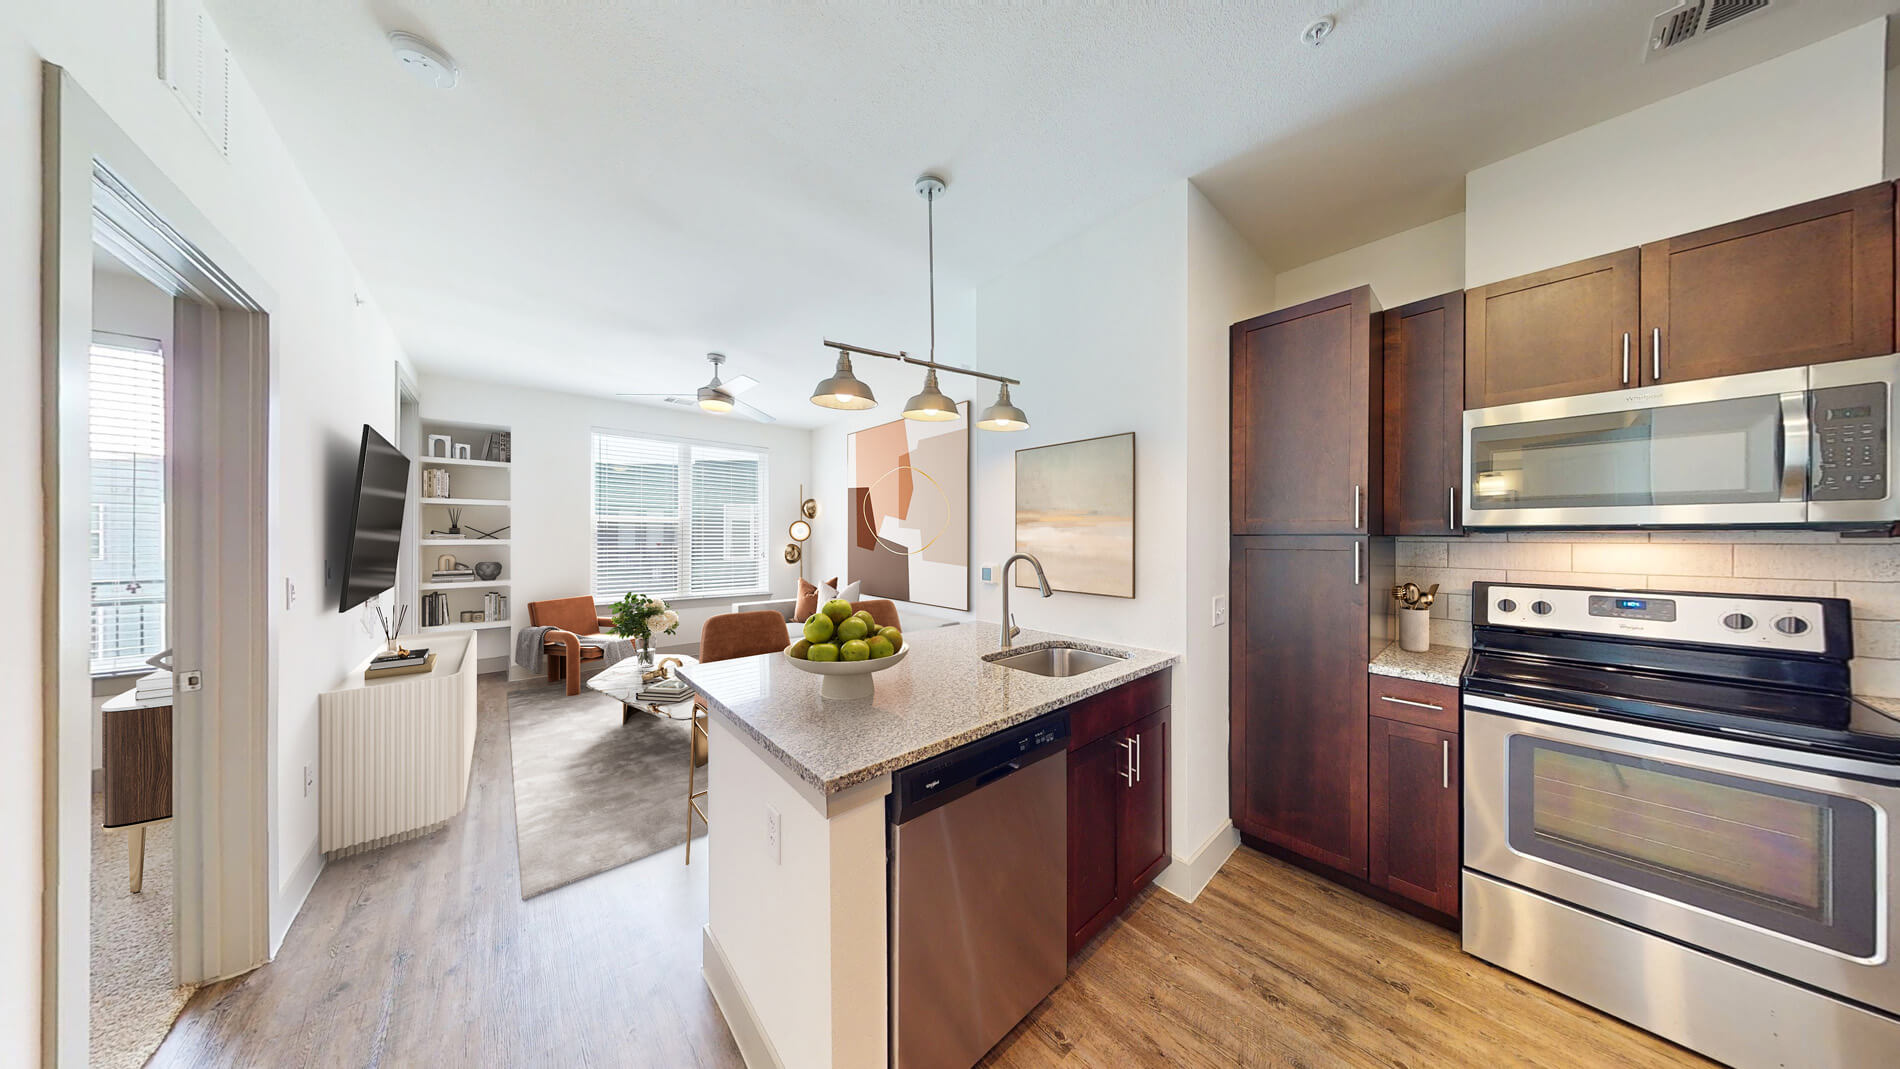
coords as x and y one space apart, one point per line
1795 446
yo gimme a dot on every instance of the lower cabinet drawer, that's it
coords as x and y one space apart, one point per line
1409 701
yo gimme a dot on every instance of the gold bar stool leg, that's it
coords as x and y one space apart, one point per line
135 850
695 760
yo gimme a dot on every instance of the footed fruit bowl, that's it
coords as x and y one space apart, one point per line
846 679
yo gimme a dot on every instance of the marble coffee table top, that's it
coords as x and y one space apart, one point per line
621 682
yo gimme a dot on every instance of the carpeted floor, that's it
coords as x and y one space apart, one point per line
592 794
134 1001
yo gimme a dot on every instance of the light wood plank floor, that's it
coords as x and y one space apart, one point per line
423 954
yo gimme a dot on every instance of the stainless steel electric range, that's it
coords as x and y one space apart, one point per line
1676 812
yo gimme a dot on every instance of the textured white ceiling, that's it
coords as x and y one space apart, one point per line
616 188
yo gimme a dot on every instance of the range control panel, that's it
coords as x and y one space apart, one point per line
1704 619
1850 431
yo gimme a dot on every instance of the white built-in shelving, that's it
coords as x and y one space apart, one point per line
482 493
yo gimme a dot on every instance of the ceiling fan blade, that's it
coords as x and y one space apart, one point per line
739 385
755 412
660 395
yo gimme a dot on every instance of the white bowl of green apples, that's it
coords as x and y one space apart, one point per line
844 648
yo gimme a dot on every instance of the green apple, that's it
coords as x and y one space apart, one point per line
855 650
837 608
865 615
895 636
823 651
880 646
798 650
851 628
818 628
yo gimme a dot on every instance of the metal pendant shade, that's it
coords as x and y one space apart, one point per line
843 390
1003 416
930 405
714 399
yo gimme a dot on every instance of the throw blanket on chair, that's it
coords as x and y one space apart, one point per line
531 648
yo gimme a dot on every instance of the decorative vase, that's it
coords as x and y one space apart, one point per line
643 650
488 570
1415 632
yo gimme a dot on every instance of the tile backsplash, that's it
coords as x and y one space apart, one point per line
1864 571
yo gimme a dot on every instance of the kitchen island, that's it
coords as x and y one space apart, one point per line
795 944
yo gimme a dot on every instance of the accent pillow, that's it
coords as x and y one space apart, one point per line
808 599
828 591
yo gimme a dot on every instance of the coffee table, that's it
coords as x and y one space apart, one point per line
622 683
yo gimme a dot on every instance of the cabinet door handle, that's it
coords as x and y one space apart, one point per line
1355 562
1444 764
1655 353
1127 772
1137 741
1355 506
1451 508
1626 358
1410 702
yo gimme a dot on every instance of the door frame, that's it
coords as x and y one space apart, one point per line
98 186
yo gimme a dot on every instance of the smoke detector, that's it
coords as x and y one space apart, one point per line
1692 20
1317 33
430 65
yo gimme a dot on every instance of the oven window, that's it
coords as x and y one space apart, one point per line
1792 861
1715 452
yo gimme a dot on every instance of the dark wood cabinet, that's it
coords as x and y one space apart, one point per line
1305 418
1424 363
1297 695
1414 813
1802 285
1568 330
1118 801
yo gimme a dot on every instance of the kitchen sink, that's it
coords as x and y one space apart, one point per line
1057 660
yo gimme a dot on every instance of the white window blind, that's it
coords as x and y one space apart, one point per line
677 519
127 432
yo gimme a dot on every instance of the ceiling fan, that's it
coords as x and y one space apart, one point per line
715 396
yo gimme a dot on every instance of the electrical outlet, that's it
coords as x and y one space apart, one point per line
771 834
309 779
1220 610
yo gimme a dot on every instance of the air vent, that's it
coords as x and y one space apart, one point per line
195 64
1693 20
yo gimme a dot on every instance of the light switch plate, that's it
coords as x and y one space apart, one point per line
1220 610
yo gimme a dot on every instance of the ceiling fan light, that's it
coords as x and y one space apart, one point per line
714 399
930 405
1003 416
842 390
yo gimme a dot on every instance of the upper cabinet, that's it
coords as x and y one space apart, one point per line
1803 285
1305 450
1556 333
1424 357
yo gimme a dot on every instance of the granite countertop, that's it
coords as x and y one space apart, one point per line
1439 664
943 694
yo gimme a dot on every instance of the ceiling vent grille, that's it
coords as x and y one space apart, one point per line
1693 20
195 64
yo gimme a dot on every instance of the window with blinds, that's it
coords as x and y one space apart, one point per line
677 519
126 426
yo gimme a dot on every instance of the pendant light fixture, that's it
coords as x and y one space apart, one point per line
843 390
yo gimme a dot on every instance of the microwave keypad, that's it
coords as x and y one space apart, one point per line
1850 428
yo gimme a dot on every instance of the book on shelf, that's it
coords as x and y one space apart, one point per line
394 658
452 577
494 607
498 447
375 672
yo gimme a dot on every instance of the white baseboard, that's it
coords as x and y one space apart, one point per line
754 1045
1186 877
291 899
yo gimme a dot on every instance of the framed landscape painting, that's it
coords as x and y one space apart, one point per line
1075 512
908 506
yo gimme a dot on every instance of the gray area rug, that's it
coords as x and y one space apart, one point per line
592 794
134 1000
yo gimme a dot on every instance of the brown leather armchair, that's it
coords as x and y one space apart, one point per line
571 618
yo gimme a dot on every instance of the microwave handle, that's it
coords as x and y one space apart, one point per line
1796 447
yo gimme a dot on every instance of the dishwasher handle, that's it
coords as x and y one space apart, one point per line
998 772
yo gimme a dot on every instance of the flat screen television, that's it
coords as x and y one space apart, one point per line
375 535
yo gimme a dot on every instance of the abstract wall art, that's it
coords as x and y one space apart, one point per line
1075 512
908 499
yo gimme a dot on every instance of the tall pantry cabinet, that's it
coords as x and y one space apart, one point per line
1306 494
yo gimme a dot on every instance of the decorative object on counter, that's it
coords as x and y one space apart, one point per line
462 451
488 570
1415 616
439 445
499 447
908 503
1075 510
845 647
391 627
844 391
845 680
637 616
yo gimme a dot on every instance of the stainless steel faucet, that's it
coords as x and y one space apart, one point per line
1010 630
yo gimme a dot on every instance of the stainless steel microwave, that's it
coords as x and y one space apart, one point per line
1795 447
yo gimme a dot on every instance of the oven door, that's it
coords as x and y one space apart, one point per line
1702 840
1726 451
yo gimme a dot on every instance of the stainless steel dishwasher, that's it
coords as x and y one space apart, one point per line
979 892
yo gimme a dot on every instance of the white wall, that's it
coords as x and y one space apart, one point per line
335 360
1411 265
1122 327
1797 127
552 551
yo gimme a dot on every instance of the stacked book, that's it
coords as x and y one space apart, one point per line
494 607
153 685
435 482
399 663
453 575
665 691
435 609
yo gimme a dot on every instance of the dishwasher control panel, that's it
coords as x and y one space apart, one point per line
937 780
